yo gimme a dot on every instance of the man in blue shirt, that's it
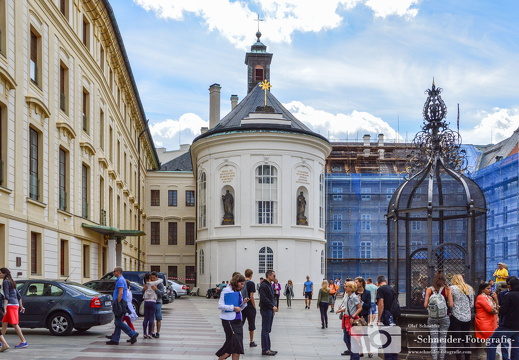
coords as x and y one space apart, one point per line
120 297
308 291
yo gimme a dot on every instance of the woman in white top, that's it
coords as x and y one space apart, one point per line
351 308
231 304
150 304
463 302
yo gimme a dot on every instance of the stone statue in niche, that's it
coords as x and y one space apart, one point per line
301 206
228 208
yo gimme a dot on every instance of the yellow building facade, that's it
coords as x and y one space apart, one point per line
74 144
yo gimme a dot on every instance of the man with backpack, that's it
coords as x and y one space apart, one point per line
249 313
438 300
388 308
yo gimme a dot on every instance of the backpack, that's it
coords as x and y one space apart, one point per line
395 306
244 291
437 307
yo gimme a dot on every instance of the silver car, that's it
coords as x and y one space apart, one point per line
179 289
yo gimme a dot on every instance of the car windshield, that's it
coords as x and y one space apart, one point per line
79 289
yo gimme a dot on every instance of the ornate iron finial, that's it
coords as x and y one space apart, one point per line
436 140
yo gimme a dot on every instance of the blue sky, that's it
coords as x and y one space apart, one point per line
344 67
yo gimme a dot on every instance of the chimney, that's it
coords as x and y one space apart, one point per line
380 139
203 130
366 139
234 101
214 105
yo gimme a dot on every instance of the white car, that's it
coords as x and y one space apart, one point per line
179 289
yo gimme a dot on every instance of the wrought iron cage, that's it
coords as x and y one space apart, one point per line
437 218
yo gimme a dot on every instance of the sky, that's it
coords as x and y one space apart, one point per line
343 67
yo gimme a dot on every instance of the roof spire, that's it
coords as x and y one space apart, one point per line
258 34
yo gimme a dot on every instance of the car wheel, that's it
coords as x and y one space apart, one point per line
60 324
83 329
175 296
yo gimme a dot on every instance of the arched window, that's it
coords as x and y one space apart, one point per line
266 259
201 261
322 262
202 208
266 194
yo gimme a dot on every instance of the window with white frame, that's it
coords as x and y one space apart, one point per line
321 201
365 194
365 222
202 208
337 222
265 259
337 252
322 262
201 261
337 194
415 225
266 194
365 251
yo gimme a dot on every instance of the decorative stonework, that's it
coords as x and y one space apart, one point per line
103 162
87 148
66 132
38 108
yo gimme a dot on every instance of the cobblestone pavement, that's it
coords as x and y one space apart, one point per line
191 330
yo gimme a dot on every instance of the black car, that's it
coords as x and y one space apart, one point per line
108 286
138 277
62 306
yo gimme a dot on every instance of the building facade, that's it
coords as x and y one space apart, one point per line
73 143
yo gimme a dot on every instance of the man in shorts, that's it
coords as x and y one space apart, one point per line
159 290
308 287
373 310
249 313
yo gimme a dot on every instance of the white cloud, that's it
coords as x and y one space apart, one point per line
170 133
233 19
493 127
341 126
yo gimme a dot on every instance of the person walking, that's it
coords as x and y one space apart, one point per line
159 291
365 301
289 293
267 310
322 303
277 291
438 300
463 302
231 304
131 315
249 312
350 308
308 287
372 288
119 308
487 308
13 305
385 297
333 294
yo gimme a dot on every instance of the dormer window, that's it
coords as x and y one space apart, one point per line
258 73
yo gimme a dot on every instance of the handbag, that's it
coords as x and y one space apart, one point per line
359 321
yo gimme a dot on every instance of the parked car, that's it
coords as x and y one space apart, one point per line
108 286
62 306
138 277
179 288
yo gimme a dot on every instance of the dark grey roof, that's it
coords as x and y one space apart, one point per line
232 121
181 163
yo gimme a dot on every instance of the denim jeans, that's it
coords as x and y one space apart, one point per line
267 317
387 320
121 325
347 341
149 316
438 329
497 337
323 308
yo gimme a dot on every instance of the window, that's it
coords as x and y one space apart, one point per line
190 274
64 258
321 201
155 233
155 197
63 7
172 197
337 191
415 225
155 268
492 249
202 215
62 179
111 144
337 222
337 252
365 194
505 214
201 262
35 57
365 251
190 233
365 222
265 259
42 289
505 247
85 108
259 73
3 28
3 143
266 194
173 272
63 88
172 233
322 262
86 32
34 165
102 129
84 191
86 261
35 253
102 58
190 198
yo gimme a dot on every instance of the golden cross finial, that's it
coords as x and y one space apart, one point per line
265 86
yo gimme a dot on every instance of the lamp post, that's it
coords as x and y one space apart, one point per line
139 194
